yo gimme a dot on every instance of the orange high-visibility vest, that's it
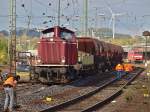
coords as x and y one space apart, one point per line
119 67
128 67
10 81
131 67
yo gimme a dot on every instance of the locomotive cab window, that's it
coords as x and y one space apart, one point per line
66 35
138 52
48 35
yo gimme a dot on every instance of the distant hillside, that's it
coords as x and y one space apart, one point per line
103 33
4 33
119 35
106 32
22 31
100 32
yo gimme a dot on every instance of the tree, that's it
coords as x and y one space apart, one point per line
3 50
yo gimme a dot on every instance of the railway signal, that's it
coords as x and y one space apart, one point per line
146 34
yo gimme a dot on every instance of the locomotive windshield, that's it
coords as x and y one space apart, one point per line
139 53
66 35
48 35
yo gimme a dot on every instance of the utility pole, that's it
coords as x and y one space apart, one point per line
12 61
85 19
96 17
27 30
28 24
12 20
58 13
113 19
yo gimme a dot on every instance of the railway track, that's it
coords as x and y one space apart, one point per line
60 93
30 97
97 97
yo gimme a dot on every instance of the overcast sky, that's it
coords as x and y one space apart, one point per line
135 18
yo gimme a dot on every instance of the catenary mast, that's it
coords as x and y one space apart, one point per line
12 21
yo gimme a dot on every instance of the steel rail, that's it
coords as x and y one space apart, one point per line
110 98
74 100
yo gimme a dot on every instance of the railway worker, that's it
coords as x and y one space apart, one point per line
128 67
9 86
119 69
131 66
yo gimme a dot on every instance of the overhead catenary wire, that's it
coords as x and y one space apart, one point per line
49 8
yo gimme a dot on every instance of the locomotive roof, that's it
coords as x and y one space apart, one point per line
52 29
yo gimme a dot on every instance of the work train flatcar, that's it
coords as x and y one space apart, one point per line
63 57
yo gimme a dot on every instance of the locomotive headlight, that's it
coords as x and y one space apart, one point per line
138 56
38 61
51 39
63 60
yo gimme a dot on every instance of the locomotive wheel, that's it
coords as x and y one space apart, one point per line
99 70
72 74
43 80
36 76
64 79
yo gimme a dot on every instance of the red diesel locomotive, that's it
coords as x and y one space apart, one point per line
63 57
135 55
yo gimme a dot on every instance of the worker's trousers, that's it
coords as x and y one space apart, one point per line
9 100
119 74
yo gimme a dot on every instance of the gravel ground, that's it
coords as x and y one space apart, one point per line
132 99
28 97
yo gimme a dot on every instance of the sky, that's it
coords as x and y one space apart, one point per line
134 19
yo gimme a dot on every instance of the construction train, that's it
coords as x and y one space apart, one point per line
63 57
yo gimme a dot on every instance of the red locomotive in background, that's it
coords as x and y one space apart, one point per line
135 55
63 57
